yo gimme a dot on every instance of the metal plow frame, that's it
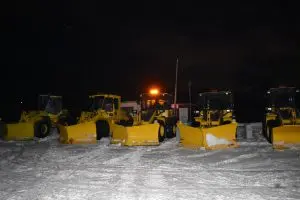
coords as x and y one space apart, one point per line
141 135
286 136
219 137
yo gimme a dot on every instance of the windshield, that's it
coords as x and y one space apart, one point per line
50 104
215 101
100 102
157 102
281 97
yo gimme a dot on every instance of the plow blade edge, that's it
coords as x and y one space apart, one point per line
141 135
19 131
218 137
285 136
82 133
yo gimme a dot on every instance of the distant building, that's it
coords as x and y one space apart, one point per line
183 110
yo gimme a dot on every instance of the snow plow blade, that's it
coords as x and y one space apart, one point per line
141 135
19 131
82 133
218 137
285 136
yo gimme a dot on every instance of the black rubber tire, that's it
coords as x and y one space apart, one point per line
174 130
169 131
102 128
3 129
269 134
130 121
195 124
270 125
66 120
42 128
264 127
161 137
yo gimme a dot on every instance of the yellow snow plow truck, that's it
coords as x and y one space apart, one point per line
96 120
156 121
281 124
215 127
35 123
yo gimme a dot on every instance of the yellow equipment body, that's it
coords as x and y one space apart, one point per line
152 125
19 131
36 123
217 137
32 124
78 134
216 126
282 119
141 135
104 112
286 136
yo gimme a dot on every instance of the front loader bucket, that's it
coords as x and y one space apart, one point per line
285 136
19 131
140 135
218 137
82 133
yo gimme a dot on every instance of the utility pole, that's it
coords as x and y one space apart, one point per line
175 96
190 97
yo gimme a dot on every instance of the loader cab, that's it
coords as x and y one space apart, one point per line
158 103
216 107
215 100
50 104
108 103
131 107
282 104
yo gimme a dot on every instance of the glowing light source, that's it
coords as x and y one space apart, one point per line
154 91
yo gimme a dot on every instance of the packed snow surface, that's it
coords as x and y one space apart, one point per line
46 170
211 140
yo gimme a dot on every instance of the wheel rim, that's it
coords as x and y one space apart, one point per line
161 131
44 129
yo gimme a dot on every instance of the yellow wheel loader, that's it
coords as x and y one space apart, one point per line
281 125
36 123
215 127
156 121
96 121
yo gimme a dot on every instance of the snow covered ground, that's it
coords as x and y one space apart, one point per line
48 170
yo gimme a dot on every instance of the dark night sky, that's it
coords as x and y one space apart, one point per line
72 47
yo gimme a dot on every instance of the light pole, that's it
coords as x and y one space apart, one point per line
175 96
190 97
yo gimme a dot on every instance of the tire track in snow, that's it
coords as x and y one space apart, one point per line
126 186
234 160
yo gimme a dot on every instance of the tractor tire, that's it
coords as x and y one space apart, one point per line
269 132
130 121
169 131
126 123
264 127
42 128
174 128
3 129
102 128
66 120
161 132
